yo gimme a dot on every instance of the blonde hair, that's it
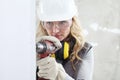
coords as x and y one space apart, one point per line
76 32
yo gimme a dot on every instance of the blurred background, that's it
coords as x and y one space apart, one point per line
101 22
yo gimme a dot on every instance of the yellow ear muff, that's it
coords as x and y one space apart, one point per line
66 50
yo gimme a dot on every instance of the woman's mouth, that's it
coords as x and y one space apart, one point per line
58 36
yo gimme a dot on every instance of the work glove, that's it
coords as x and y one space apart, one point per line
52 39
61 73
47 68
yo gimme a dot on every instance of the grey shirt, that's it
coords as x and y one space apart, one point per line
84 68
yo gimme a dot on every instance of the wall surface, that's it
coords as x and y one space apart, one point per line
101 22
17 39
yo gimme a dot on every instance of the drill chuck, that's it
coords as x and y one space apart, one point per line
42 47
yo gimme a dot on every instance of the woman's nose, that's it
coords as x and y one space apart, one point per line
55 29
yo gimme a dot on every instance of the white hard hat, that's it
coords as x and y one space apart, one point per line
56 10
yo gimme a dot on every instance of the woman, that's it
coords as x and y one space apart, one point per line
74 61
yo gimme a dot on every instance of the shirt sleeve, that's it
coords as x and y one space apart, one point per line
85 71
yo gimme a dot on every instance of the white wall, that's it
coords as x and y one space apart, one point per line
17 35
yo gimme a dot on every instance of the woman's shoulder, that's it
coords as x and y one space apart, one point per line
85 50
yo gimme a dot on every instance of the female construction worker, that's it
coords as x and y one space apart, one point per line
74 61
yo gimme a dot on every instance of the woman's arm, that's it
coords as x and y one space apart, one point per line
85 71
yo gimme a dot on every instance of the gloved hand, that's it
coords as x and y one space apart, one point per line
53 39
50 69
47 68
61 73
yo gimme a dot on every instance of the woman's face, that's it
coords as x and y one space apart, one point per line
59 29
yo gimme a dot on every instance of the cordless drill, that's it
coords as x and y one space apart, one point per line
44 49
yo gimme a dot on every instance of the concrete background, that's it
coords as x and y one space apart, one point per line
101 22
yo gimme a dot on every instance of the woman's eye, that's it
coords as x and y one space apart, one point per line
63 22
49 23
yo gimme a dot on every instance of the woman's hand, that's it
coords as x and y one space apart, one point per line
52 39
48 68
